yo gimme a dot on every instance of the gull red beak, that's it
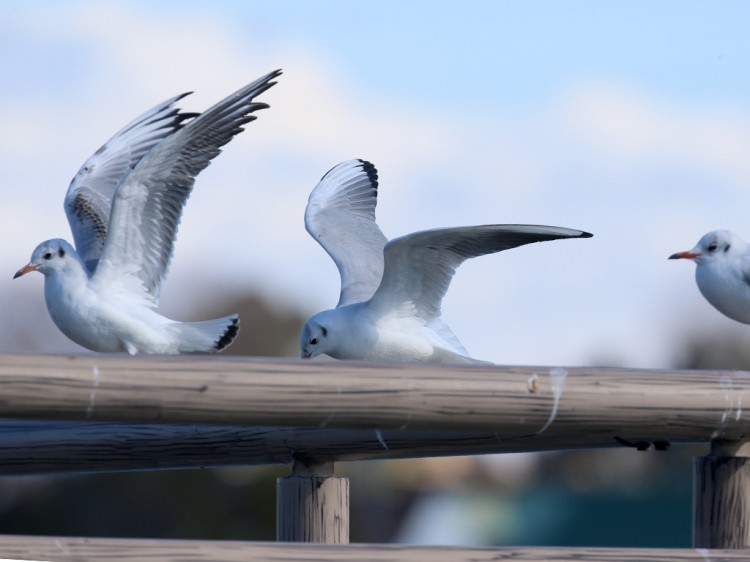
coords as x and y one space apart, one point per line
306 355
24 270
684 256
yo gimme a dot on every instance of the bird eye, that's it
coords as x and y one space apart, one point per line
47 256
313 341
712 247
61 252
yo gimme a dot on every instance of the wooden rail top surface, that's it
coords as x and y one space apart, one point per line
508 401
70 549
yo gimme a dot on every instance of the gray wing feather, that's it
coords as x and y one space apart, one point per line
89 197
419 267
340 215
148 204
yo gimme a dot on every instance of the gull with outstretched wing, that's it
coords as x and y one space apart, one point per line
391 292
124 206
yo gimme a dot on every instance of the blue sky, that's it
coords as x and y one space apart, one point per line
518 52
627 119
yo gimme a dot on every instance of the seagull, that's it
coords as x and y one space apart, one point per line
124 206
391 292
723 272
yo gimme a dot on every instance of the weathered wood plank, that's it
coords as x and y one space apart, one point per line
721 498
66 549
312 505
38 447
509 401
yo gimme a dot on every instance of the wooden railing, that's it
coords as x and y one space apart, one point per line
104 413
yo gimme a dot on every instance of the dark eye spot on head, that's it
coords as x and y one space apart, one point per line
314 341
47 255
325 331
712 246
61 252
726 248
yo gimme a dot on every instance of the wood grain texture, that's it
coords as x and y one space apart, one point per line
39 447
67 549
721 502
507 401
312 505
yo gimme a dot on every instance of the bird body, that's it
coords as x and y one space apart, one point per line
391 292
124 206
108 317
354 331
722 272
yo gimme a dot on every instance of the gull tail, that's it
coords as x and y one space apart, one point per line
208 335
440 355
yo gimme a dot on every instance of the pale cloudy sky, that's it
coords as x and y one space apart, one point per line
627 119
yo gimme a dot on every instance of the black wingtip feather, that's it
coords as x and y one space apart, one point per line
229 334
368 167
371 171
188 115
586 235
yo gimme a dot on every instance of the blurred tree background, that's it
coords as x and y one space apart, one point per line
608 497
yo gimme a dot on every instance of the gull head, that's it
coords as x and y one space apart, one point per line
48 257
314 338
714 247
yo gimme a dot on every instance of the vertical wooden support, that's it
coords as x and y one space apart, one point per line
312 505
721 496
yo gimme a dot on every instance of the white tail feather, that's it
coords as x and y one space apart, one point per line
208 335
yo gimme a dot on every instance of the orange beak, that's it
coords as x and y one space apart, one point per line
24 270
684 256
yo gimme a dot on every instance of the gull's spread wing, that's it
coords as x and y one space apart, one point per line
89 197
419 267
148 204
340 215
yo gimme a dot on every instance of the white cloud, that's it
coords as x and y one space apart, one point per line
628 127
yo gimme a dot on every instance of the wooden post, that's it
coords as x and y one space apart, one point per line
721 496
312 505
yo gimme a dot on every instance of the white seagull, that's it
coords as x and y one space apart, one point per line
723 272
124 206
391 292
